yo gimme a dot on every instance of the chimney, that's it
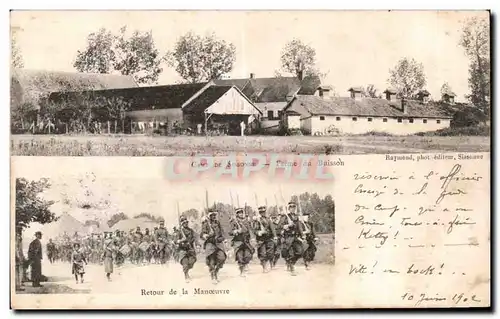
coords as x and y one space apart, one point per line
390 94
356 92
404 106
423 96
324 91
449 98
252 75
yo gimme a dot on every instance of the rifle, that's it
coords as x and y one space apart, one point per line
183 236
289 221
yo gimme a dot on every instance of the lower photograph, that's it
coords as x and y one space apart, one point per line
118 233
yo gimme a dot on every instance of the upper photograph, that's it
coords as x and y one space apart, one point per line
183 83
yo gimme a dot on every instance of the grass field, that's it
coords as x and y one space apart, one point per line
127 145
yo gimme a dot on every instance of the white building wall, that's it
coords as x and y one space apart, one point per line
306 125
347 125
293 122
232 102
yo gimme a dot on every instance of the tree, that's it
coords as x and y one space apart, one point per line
199 59
371 91
476 42
22 112
30 206
299 59
16 57
445 89
407 77
116 218
99 55
136 55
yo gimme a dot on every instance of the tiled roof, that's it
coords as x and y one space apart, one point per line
275 89
366 107
239 83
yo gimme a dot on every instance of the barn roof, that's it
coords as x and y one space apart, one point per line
273 89
367 107
206 98
239 83
31 85
142 98
209 96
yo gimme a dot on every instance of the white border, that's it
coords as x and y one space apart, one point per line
186 5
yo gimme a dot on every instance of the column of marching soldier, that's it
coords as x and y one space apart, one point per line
287 235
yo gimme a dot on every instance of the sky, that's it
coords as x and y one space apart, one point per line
354 48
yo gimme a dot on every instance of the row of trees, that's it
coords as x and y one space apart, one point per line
195 58
321 210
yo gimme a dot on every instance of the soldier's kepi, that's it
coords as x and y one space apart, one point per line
292 247
185 247
265 234
240 230
212 234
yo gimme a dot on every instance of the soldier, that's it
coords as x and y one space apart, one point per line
51 251
310 240
109 250
35 258
240 230
138 253
185 247
277 248
266 238
292 248
77 260
212 234
146 239
161 237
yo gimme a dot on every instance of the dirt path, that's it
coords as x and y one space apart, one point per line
257 288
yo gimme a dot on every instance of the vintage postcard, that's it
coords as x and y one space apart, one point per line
250 159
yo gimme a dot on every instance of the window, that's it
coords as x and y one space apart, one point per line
384 120
424 121
321 118
280 114
370 119
354 118
338 118
411 120
270 115
400 120
438 121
